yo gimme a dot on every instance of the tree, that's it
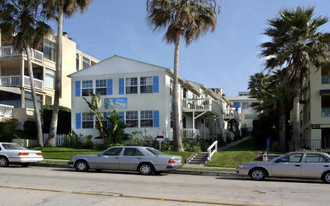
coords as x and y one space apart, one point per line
296 46
187 19
57 9
23 19
116 129
274 100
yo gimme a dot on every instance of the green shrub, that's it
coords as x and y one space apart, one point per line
64 119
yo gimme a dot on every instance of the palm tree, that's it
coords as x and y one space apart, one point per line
296 46
187 19
57 9
23 19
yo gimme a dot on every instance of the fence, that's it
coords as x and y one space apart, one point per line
313 144
59 139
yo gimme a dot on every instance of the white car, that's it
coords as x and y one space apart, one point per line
12 153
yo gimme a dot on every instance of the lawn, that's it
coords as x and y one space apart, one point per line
66 153
234 156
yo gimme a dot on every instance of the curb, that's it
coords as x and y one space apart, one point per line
183 172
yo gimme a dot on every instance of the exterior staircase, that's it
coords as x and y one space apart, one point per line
199 159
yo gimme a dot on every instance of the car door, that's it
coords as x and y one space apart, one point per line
109 159
314 165
288 166
130 159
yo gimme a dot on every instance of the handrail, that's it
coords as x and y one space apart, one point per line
210 152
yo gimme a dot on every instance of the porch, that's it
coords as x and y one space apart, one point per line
15 81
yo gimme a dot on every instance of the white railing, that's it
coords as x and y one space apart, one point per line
6 110
231 113
9 81
9 51
204 104
190 133
210 151
38 84
59 139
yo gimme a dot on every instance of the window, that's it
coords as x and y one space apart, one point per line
131 85
87 88
146 85
293 158
87 121
101 87
315 158
86 62
113 152
77 62
132 119
154 151
29 100
132 152
325 72
50 79
49 50
146 119
245 105
325 105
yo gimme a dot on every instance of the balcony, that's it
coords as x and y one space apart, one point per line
232 113
326 112
190 133
325 79
15 81
9 51
6 110
201 105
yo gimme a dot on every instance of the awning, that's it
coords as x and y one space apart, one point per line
325 92
11 90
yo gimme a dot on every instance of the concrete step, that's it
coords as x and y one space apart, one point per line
199 159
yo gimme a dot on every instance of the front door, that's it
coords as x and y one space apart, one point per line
131 159
288 166
109 159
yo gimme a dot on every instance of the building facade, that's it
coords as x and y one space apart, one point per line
142 93
15 92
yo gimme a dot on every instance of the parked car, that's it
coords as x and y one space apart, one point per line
12 153
314 165
145 160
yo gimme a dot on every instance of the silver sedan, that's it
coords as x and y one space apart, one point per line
145 160
12 153
314 165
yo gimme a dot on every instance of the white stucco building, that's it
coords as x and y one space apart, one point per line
142 93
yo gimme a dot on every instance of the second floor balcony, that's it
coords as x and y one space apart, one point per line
232 113
15 81
9 51
201 105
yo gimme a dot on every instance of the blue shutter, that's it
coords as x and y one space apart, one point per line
121 86
156 118
77 88
78 120
155 86
237 105
123 118
109 124
109 87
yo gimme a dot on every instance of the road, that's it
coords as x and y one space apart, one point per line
55 186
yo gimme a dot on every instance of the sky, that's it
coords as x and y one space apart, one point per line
223 59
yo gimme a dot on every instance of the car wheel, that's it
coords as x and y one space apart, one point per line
258 174
326 177
145 169
25 164
81 166
4 162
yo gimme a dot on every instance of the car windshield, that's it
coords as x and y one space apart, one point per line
273 160
154 151
13 147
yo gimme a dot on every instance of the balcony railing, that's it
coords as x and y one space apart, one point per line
6 110
201 105
15 81
9 51
190 133
326 112
325 79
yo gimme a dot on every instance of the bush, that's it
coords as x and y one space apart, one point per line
64 119
30 129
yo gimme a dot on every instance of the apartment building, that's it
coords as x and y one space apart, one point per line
315 109
242 104
15 92
142 93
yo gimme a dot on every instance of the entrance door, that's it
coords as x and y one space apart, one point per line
109 159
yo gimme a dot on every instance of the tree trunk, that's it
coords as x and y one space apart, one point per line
58 82
177 139
282 129
296 117
34 97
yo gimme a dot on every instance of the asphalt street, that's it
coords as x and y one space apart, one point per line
56 186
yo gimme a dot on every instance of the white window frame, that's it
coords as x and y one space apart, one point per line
147 84
82 87
144 117
49 74
101 87
137 119
82 121
128 84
